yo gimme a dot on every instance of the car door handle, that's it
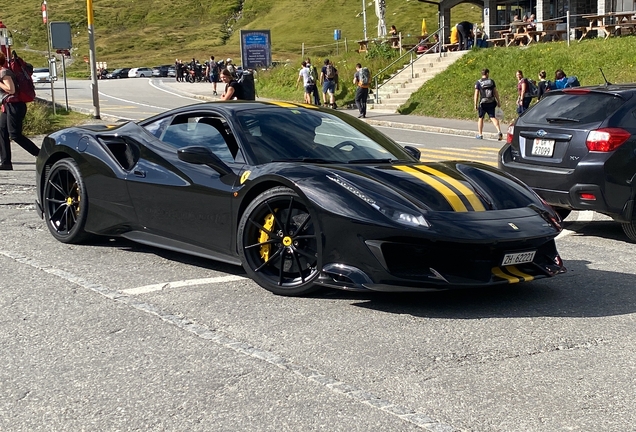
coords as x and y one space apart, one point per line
139 173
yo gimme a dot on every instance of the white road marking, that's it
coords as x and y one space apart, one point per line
179 284
358 394
581 218
152 84
133 102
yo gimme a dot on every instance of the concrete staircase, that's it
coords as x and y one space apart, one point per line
398 90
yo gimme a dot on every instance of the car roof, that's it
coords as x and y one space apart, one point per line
229 108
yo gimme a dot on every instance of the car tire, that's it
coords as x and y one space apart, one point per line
279 243
629 229
65 202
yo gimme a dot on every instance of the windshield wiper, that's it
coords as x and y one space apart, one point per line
371 160
562 119
307 159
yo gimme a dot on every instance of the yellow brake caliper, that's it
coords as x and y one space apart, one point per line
263 237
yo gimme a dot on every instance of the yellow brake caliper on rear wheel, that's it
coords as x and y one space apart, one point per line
263 237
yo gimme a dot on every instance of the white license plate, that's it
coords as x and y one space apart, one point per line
518 258
542 147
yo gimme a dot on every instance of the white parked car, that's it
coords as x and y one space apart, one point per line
141 72
41 75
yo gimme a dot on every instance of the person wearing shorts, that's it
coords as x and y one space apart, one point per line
486 107
328 85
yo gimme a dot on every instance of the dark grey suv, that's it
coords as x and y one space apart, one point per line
577 149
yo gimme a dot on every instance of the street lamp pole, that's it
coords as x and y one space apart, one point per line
45 20
364 18
91 45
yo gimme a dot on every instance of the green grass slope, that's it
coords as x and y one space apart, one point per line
450 94
150 32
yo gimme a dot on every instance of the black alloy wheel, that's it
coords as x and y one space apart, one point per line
65 202
279 243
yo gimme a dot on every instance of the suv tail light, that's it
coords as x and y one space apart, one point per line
510 133
606 139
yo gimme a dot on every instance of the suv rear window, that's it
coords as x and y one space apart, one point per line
581 108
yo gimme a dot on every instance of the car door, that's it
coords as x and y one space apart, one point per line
185 202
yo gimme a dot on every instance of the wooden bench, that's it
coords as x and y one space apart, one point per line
553 35
451 47
500 42
608 29
534 35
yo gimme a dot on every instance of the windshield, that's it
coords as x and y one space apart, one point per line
587 107
301 134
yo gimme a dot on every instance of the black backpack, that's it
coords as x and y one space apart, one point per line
487 90
246 81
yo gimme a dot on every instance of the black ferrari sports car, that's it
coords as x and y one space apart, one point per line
301 197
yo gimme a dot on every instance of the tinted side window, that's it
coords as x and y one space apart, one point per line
586 108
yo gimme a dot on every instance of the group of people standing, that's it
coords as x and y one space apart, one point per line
214 72
486 96
328 80
11 117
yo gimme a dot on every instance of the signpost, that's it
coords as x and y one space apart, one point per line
256 49
45 20
61 41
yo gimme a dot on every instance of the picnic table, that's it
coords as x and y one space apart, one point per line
364 45
549 31
607 24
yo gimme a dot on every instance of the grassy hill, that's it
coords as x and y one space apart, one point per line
450 94
149 32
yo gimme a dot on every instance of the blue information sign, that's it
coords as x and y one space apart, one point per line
256 49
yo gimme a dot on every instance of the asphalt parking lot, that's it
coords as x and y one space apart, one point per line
118 336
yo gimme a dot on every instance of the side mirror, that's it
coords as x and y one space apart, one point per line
413 152
203 156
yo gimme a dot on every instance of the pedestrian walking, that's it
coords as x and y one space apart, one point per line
544 85
361 79
328 77
486 102
523 96
212 72
308 82
314 75
11 117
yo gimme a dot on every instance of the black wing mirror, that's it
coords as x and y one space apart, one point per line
413 152
203 156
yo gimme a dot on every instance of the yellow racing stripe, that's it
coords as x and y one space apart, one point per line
453 199
515 271
498 272
284 104
461 187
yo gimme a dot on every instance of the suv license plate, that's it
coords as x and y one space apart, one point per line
518 258
542 147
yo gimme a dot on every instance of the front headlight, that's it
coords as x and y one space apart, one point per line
396 215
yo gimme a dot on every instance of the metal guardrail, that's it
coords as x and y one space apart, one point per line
413 56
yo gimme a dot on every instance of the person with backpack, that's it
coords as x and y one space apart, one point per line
308 81
362 79
233 90
524 95
212 71
328 75
14 109
561 80
486 102
543 85
314 75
